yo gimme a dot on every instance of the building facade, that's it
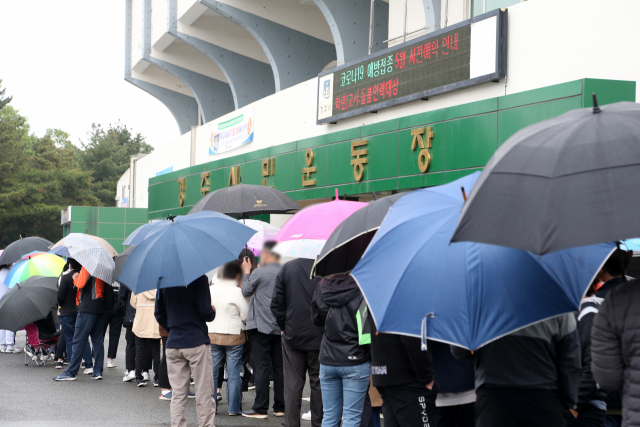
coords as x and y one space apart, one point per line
245 80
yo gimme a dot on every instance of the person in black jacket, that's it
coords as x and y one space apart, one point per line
68 311
403 375
113 319
124 298
291 306
184 312
455 404
529 377
344 363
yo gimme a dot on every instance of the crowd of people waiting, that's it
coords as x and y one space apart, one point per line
274 323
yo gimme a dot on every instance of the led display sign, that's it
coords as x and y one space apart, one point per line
462 55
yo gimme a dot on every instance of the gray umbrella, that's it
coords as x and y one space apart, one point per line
565 182
121 259
350 239
28 301
244 200
20 248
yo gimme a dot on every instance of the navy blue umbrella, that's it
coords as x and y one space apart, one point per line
141 233
182 251
463 293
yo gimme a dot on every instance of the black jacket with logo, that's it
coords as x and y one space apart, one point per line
335 303
291 305
67 294
399 360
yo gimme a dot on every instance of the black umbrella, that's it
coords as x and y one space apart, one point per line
561 183
21 247
121 259
346 245
244 200
28 301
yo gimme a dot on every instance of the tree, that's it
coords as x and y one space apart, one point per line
107 155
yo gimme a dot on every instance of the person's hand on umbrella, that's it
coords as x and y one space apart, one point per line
430 385
246 265
214 307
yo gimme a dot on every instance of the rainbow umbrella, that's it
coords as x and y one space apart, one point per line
35 264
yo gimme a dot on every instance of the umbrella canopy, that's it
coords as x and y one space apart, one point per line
141 233
475 292
60 248
91 255
560 183
244 200
301 248
317 222
347 243
265 232
28 301
185 250
120 260
20 248
35 264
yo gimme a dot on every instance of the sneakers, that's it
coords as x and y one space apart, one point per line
129 376
192 382
65 376
166 396
12 349
253 414
96 376
233 414
155 383
141 383
59 364
251 385
191 395
111 363
145 376
306 416
278 414
88 371
3 348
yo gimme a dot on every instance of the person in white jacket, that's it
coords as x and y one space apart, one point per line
226 332
147 332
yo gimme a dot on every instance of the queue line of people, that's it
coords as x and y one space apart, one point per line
293 326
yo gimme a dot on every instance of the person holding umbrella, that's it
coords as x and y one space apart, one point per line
7 338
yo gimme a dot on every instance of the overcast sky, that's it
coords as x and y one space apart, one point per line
63 63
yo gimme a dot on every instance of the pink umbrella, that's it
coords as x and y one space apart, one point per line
317 222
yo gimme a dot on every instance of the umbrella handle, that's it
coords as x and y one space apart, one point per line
424 331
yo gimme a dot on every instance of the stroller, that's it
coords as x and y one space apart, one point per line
41 337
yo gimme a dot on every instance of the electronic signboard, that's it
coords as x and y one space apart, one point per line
462 55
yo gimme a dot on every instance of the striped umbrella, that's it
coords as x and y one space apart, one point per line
35 264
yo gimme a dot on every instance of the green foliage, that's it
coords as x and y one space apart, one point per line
108 154
41 176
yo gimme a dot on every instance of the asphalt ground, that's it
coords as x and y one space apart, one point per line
30 397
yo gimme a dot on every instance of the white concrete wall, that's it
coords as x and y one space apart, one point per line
136 31
568 49
158 20
123 182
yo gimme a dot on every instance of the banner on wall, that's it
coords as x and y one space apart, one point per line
233 133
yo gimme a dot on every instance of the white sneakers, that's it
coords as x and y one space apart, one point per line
145 376
111 363
88 371
9 349
129 376
306 416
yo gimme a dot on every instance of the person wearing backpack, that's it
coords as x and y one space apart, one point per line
93 298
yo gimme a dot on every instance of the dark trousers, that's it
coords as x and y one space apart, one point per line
163 377
87 325
589 416
69 330
267 352
456 415
507 407
130 349
113 319
61 347
296 364
143 346
409 405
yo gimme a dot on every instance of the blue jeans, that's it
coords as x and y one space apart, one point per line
343 392
68 329
234 382
87 325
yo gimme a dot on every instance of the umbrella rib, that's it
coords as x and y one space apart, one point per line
563 175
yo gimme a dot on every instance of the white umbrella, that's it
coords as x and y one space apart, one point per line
265 232
106 245
302 248
91 255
